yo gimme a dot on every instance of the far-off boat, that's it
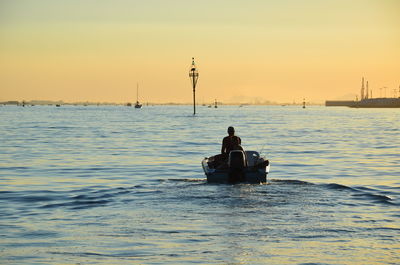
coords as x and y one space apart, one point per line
242 166
137 104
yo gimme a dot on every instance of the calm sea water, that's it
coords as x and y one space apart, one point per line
118 185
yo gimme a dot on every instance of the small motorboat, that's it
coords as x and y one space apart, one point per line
241 167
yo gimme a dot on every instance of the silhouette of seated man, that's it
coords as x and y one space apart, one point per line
229 143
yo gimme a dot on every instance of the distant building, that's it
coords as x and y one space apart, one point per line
366 100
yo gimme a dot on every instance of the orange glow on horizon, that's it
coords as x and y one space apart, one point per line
256 51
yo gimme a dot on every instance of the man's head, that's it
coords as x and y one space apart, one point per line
231 130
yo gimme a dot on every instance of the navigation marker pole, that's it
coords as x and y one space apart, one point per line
194 76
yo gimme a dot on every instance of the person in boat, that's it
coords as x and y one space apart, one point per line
230 142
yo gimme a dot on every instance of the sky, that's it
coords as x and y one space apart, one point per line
245 51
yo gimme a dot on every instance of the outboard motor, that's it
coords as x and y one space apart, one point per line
237 164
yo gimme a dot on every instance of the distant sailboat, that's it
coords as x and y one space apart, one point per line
137 105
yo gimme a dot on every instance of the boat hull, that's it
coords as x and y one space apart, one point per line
251 174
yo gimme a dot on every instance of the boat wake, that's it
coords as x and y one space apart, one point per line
37 201
363 193
359 193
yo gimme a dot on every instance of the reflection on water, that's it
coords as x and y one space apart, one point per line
115 185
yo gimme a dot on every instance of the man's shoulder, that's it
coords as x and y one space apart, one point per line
230 138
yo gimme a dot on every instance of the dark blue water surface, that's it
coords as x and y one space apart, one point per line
118 185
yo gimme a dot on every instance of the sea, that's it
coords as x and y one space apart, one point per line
119 185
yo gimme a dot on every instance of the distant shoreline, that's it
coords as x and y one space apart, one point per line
60 102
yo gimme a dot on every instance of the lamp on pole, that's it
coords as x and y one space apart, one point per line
194 76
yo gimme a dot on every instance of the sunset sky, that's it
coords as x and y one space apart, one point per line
97 50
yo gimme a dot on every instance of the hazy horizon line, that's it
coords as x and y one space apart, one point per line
45 102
